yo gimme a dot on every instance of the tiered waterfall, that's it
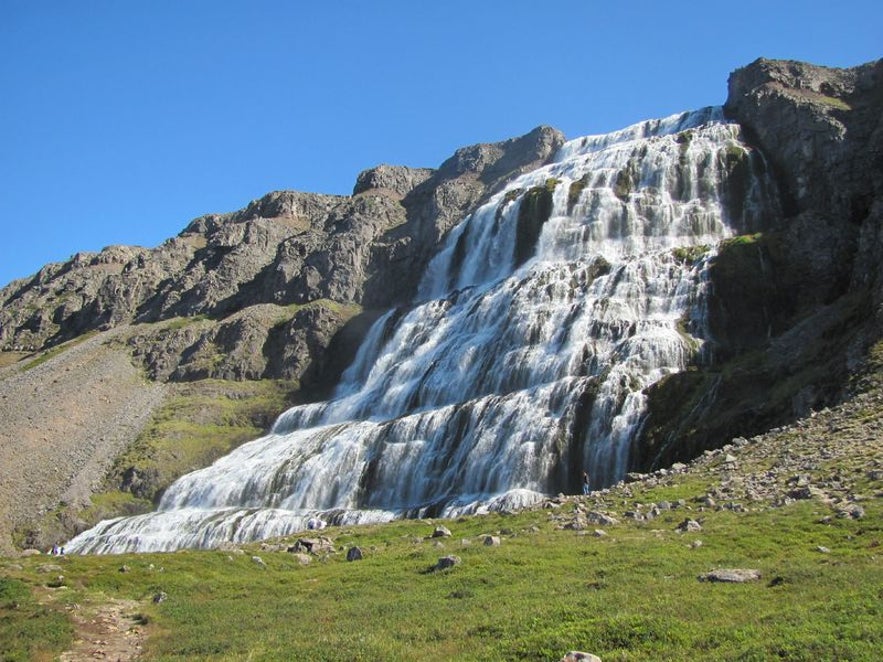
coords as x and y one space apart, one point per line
523 360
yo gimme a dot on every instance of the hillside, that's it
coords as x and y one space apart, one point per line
265 307
622 573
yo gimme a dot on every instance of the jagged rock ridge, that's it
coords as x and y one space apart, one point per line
276 281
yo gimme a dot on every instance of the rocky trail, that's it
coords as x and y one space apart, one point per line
62 423
110 631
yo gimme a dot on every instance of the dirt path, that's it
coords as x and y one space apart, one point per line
111 631
63 422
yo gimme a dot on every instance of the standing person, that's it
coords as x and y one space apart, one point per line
585 482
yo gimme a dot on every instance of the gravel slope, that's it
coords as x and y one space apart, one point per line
63 422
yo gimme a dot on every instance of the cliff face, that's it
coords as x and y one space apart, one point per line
797 304
264 291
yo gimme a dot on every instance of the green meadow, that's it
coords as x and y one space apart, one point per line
633 594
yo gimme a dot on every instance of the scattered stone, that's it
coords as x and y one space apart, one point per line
56 582
801 493
696 544
354 554
257 560
852 510
823 549
731 575
492 541
578 656
124 568
446 562
600 533
160 597
303 559
708 501
30 552
49 567
603 519
578 523
689 526
313 545
441 532
275 547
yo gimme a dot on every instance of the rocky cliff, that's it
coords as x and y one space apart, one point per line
796 303
263 292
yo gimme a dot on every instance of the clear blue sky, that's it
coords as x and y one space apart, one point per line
122 120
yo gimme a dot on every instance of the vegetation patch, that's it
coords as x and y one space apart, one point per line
58 349
201 422
575 191
29 630
690 254
11 358
632 594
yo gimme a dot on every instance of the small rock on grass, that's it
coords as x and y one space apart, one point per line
731 575
578 656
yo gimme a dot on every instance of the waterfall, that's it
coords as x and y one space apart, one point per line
523 360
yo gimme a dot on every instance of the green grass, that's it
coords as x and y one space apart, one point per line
202 422
631 595
29 630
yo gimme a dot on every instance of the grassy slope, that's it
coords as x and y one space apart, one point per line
630 595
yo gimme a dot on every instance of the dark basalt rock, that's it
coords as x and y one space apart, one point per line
797 303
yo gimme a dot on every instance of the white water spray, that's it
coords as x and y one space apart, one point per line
508 375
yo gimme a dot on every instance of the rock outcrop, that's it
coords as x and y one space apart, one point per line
797 303
263 292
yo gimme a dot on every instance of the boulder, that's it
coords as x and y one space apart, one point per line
446 562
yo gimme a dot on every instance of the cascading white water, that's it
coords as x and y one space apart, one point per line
509 375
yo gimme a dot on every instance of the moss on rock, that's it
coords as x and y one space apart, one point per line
535 210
